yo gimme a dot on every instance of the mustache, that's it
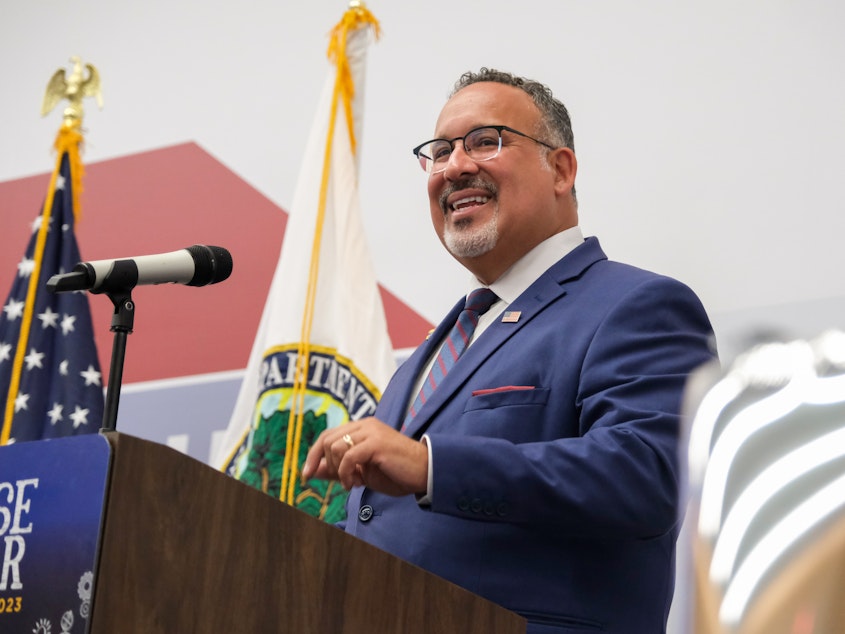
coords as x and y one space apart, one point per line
474 182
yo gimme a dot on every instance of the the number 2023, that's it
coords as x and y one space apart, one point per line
10 604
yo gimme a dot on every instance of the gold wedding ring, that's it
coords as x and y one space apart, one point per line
348 440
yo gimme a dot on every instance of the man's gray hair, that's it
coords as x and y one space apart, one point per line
555 125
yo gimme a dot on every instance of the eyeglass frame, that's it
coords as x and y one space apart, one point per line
451 142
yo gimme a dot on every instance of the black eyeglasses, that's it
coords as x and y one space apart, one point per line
480 144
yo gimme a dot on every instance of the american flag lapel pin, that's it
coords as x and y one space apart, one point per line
511 316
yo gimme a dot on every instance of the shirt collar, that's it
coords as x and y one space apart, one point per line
533 264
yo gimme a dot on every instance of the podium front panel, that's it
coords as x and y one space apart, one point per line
51 504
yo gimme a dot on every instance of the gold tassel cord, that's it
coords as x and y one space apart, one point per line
356 17
68 141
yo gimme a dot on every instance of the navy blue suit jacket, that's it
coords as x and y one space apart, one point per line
555 450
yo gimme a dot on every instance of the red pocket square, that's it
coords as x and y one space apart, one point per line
504 388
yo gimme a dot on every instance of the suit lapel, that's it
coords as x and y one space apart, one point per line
547 289
543 292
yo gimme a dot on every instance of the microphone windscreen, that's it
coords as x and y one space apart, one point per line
211 264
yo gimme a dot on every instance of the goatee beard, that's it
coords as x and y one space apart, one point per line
464 239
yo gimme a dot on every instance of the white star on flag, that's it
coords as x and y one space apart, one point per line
79 417
91 376
13 309
67 324
25 267
55 413
48 318
5 351
21 402
34 359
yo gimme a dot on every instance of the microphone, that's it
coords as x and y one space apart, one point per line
197 265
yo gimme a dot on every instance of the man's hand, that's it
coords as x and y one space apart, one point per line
372 454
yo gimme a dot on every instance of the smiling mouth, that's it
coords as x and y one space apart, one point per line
469 201
466 194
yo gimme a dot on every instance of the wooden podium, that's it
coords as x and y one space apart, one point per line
186 548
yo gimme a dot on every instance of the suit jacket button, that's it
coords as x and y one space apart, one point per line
502 509
365 513
476 506
463 504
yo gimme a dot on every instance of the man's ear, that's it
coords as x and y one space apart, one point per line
565 166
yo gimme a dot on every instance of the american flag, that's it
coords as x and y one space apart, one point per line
50 379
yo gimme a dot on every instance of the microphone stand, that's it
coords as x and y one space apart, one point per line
122 323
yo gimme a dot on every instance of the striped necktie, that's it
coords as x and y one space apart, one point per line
478 303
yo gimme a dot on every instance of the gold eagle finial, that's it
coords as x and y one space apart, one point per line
74 88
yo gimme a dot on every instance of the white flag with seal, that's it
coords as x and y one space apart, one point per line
322 355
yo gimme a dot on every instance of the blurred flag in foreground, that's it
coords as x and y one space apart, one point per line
322 354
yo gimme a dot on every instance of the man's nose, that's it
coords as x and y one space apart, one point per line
459 162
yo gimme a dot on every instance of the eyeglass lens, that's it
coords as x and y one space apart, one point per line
482 144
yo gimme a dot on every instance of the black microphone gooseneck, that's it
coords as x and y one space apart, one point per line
122 324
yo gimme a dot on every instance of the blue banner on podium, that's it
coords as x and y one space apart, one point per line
52 495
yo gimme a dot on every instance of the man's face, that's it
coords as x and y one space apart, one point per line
490 214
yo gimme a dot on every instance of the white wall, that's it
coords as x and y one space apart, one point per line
710 135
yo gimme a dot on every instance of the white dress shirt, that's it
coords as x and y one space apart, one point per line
510 285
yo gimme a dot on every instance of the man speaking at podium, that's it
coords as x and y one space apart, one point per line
529 449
